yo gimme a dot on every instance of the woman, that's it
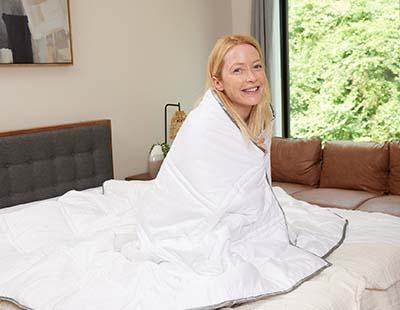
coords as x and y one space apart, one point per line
235 71
242 86
210 228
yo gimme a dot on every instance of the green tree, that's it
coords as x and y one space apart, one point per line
344 59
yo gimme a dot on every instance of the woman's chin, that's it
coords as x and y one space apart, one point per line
251 100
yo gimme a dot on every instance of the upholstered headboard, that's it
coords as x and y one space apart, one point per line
46 162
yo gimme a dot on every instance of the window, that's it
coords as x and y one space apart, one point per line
344 69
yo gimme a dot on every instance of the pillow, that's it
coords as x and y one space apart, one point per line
355 165
296 160
394 176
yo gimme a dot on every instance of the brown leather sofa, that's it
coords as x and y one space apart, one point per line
341 174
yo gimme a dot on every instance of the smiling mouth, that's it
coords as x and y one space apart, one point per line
251 90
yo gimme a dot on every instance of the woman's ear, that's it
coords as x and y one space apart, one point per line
218 84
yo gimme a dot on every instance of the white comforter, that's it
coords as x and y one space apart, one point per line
81 252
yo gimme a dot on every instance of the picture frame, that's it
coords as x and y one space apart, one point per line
35 32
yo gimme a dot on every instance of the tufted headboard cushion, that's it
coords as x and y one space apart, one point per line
46 162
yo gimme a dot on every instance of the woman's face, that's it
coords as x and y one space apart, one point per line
242 78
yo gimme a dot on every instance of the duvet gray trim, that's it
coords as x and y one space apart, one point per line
13 301
237 302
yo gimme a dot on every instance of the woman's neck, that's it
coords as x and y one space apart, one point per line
243 112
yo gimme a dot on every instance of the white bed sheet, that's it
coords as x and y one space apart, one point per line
388 299
319 296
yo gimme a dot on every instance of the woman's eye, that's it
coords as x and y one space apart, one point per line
258 66
237 70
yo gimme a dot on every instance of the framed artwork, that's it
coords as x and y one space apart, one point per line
35 32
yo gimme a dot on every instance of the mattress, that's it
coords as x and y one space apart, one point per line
317 297
388 299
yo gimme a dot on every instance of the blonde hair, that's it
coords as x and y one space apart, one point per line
260 115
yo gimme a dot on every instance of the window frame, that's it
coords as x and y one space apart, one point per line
285 87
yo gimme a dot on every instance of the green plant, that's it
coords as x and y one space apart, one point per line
164 148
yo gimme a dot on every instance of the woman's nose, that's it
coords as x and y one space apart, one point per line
250 75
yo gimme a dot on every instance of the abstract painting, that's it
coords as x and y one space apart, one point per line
35 32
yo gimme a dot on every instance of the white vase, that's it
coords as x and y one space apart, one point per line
156 158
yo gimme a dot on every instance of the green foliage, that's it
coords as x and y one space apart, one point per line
164 148
344 59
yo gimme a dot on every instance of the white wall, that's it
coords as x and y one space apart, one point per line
241 16
131 57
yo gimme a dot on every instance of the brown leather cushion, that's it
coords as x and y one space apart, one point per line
389 204
355 165
394 176
292 188
334 198
296 160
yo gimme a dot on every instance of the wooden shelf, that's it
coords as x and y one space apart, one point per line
139 177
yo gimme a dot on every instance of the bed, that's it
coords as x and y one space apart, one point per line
45 166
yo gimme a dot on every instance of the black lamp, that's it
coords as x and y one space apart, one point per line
165 117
